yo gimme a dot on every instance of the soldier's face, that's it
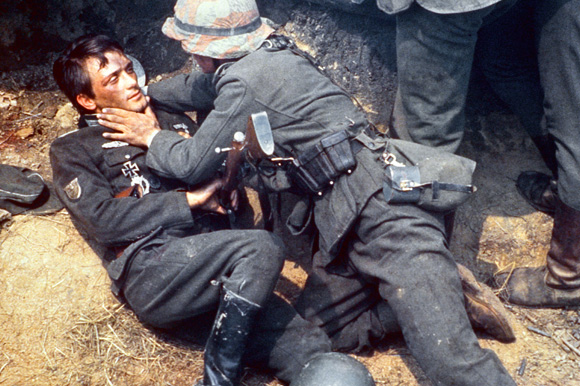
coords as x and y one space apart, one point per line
207 65
115 85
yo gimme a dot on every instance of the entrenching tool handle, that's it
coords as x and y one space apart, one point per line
256 144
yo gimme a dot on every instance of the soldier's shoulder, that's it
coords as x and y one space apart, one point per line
80 138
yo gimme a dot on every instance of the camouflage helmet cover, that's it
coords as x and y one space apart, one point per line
220 29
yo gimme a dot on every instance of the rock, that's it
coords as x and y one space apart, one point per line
67 118
25 132
5 218
7 100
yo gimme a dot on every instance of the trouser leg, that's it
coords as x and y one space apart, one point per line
171 281
354 315
558 283
434 59
401 248
558 26
506 54
345 306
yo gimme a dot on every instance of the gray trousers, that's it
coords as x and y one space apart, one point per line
397 253
530 55
434 59
174 284
558 26
506 53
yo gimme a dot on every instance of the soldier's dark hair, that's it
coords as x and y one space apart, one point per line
69 69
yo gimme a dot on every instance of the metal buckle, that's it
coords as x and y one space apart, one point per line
406 185
391 159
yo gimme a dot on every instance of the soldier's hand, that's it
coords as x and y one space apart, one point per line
206 198
137 129
234 199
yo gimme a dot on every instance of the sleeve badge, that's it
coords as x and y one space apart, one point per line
73 189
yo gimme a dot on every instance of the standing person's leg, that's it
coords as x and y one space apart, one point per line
558 56
506 54
558 283
401 249
434 59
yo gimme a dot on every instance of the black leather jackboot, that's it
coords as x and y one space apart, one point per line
539 190
226 345
556 284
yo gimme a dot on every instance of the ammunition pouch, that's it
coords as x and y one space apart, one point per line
434 180
317 168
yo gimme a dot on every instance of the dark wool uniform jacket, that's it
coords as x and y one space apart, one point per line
303 107
89 170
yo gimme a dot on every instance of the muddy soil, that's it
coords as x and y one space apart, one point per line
61 325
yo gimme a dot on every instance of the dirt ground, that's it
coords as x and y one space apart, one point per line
61 325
